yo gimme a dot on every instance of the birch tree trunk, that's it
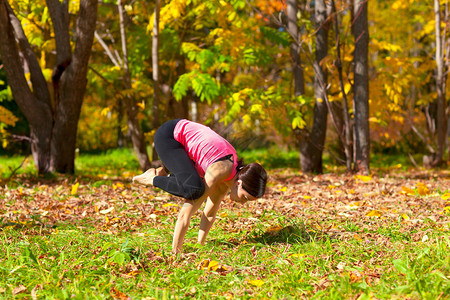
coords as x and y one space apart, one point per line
155 65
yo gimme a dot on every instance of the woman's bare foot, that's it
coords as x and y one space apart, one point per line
161 172
146 178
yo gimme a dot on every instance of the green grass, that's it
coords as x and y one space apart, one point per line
79 262
59 244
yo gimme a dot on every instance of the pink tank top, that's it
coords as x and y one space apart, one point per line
203 145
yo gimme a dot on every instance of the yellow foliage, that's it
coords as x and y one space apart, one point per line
7 117
173 10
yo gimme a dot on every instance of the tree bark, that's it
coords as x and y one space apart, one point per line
155 65
361 87
137 137
53 127
72 86
299 81
345 131
312 148
441 116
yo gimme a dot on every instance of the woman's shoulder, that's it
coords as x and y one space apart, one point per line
219 171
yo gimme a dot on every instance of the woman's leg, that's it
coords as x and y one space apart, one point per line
184 180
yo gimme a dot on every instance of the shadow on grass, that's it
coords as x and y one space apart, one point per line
291 234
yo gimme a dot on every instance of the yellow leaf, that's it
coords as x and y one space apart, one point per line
75 188
374 213
274 228
256 282
408 191
170 204
364 178
422 189
306 197
213 265
105 111
203 264
446 196
357 237
283 189
223 214
405 217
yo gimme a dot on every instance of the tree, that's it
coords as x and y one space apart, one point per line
155 73
52 121
313 144
131 107
437 158
361 87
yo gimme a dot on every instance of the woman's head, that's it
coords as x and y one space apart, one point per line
250 183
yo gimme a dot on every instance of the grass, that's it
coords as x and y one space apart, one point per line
61 243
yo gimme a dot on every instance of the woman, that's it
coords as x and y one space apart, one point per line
203 166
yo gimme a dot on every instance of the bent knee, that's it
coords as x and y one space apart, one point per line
194 193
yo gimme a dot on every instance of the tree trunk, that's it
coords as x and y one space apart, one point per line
299 81
53 127
441 117
155 65
344 131
312 148
137 137
361 87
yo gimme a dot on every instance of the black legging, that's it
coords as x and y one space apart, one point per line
184 180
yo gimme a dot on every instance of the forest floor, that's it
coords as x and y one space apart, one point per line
335 236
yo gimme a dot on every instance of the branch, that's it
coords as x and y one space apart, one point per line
59 13
13 65
37 78
84 36
106 48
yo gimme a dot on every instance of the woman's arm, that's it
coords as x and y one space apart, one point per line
183 221
209 214
215 191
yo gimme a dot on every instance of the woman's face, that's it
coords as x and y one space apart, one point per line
239 194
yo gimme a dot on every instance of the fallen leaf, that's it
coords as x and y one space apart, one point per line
363 178
274 228
116 294
446 196
405 217
374 213
407 191
106 211
422 189
75 188
256 282
19 289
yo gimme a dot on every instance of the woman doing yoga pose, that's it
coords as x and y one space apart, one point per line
202 166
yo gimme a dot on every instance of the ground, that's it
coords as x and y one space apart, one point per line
330 236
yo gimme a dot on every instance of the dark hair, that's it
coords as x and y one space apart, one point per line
253 177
